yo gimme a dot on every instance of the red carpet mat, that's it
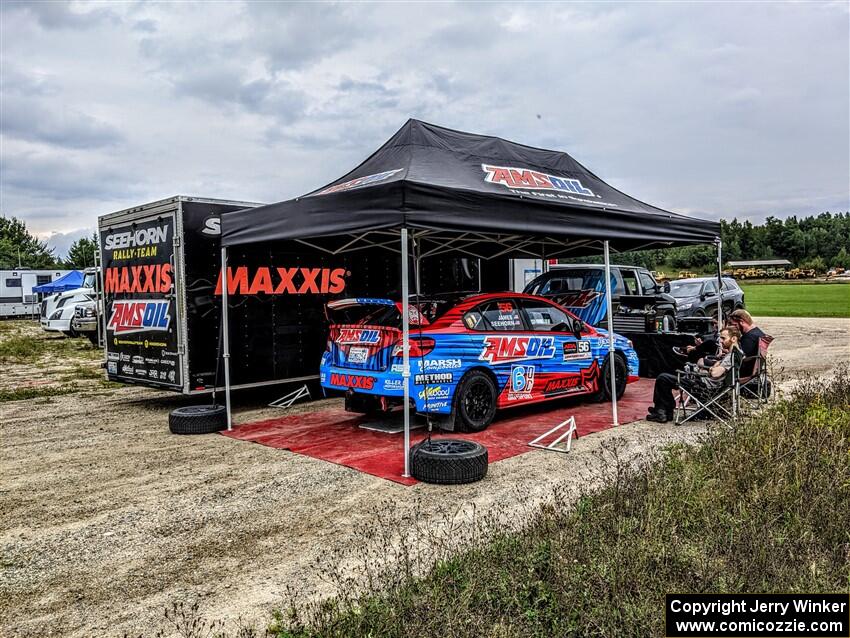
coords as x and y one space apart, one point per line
333 435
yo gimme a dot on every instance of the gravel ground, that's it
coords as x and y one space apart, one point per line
107 518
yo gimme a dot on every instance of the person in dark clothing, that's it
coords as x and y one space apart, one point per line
665 384
750 337
705 346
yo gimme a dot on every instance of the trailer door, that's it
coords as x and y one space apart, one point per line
143 342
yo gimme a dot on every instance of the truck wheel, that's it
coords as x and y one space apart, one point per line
71 333
475 402
197 419
700 312
620 371
448 461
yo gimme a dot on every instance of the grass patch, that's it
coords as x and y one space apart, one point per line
37 392
797 299
17 348
763 508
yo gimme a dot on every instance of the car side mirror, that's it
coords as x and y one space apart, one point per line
578 328
666 287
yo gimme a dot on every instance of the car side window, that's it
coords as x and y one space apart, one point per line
500 315
710 286
544 316
630 282
647 283
473 320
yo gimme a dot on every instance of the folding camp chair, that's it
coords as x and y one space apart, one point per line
754 390
699 399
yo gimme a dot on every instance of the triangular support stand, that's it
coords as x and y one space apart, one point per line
571 431
287 400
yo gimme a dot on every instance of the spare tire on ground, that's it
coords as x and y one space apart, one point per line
197 419
448 461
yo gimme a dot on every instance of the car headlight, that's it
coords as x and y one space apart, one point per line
56 315
685 306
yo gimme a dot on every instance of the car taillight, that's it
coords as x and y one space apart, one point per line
419 347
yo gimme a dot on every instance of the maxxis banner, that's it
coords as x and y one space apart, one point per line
140 302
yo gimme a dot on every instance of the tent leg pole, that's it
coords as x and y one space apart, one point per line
405 350
225 332
610 316
719 285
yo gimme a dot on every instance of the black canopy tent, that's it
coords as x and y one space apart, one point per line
459 193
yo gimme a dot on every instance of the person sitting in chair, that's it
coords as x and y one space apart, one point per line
750 336
663 400
705 345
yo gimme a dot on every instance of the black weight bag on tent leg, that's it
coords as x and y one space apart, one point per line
448 461
198 419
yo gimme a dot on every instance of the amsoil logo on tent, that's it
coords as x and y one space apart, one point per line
282 281
360 182
136 315
354 336
526 178
352 381
503 349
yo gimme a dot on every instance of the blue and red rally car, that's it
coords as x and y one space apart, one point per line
470 354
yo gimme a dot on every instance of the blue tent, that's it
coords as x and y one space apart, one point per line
73 279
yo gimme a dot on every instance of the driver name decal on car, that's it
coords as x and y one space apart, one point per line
506 349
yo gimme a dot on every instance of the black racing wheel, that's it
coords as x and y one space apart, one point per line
621 372
475 402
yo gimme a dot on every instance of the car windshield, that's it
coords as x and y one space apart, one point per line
564 279
89 280
681 289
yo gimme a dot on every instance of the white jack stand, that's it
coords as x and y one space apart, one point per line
287 400
568 435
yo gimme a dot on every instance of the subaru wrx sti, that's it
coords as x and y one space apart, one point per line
470 355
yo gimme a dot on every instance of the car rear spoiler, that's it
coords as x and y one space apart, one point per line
359 301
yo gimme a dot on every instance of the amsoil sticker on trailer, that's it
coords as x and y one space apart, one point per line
141 322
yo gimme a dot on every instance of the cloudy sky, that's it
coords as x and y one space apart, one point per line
718 110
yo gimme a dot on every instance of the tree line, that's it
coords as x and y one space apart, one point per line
20 248
817 241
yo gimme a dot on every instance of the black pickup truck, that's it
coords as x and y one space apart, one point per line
581 288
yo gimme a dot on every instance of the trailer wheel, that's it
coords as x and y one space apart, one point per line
197 419
448 461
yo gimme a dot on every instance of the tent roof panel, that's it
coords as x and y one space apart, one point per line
434 178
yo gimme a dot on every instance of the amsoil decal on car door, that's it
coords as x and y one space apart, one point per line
138 281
